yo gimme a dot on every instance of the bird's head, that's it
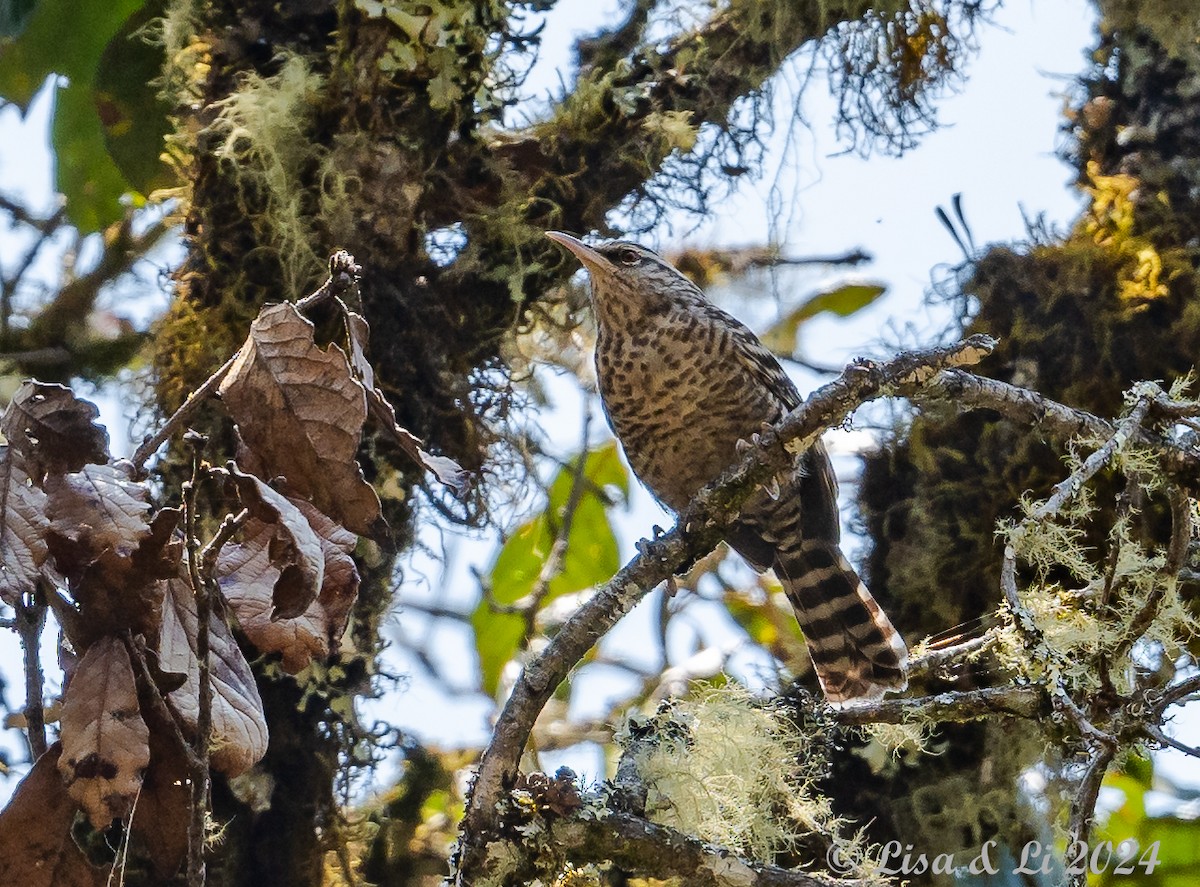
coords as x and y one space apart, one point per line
628 277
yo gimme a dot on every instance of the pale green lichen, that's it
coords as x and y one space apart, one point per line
889 744
735 773
262 134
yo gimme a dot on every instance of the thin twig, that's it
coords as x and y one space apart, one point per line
1168 576
180 417
196 874
1083 807
1162 738
137 654
29 621
212 549
554 561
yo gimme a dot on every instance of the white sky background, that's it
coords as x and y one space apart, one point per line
996 147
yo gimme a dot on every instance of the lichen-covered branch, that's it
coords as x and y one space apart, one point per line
1028 407
967 705
644 848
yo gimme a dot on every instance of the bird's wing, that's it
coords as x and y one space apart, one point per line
817 483
762 365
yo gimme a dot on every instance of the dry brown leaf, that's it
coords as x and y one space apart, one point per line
449 472
105 741
340 588
239 726
23 524
101 508
358 331
301 411
53 429
115 592
293 547
36 847
163 813
247 576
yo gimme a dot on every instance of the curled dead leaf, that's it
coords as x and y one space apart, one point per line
300 410
104 739
239 726
53 429
285 533
23 525
247 577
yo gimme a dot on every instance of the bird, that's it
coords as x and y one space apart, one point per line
683 383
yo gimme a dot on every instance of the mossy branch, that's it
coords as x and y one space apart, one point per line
958 706
637 845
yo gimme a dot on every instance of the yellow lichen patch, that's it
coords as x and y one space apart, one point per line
1111 223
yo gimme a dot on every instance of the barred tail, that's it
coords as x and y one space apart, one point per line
855 650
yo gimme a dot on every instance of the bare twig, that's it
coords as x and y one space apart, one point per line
1083 807
199 807
698 530
1162 738
179 418
554 561
137 654
1181 535
212 549
29 621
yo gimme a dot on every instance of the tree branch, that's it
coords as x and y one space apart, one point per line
969 391
958 706
650 850
1083 807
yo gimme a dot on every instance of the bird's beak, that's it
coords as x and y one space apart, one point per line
592 260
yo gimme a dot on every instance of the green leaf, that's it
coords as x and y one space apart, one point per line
68 37
133 114
591 557
843 301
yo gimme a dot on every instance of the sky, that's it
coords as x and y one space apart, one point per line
996 146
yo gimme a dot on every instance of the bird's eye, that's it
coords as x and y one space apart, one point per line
629 257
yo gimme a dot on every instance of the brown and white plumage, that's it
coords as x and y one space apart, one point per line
682 382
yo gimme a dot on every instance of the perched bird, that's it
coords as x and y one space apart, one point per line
682 383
